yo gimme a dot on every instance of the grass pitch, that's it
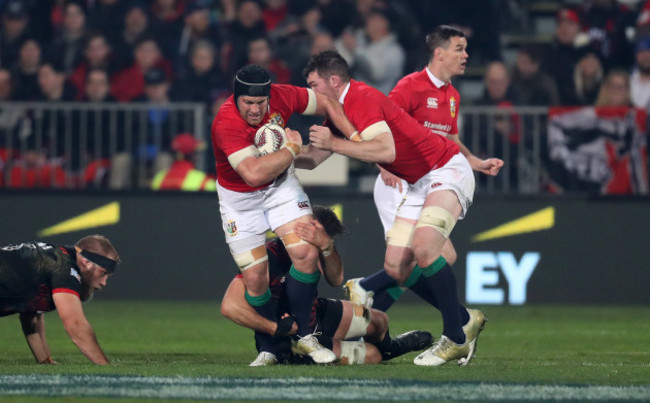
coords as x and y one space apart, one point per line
186 350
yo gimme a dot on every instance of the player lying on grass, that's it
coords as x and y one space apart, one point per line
338 322
37 277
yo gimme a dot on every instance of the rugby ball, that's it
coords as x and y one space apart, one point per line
269 138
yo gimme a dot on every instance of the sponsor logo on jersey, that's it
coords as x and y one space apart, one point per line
75 274
276 118
435 185
452 107
437 128
303 204
231 228
432 103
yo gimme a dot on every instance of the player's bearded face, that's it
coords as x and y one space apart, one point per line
321 85
92 279
252 109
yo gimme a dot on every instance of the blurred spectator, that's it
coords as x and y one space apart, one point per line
499 134
161 122
610 27
260 53
129 82
183 175
107 17
168 17
25 71
202 78
336 15
6 85
53 85
137 25
198 27
615 89
587 76
292 40
568 46
640 78
479 20
15 22
248 25
533 86
374 54
67 46
97 55
108 161
274 12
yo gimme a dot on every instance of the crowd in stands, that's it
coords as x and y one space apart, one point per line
121 51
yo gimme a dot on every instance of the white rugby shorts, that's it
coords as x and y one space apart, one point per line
246 216
456 175
387 200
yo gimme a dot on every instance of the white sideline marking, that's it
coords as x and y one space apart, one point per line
301 389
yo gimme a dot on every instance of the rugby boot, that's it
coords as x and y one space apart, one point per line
357 294
442 351
415 340
310 346
472 329
264 358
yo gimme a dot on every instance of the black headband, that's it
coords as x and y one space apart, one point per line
107 263
258 89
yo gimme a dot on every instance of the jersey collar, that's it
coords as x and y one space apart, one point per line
437 82
344 93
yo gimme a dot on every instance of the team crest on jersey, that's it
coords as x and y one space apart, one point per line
432 103
75 274
452 107
231 228
276 119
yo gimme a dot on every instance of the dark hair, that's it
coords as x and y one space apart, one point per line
441 36
328 63
326 216
534 52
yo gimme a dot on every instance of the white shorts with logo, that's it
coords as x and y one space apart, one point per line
387 200
246 216
456 175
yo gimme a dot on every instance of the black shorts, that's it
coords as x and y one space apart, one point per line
328 316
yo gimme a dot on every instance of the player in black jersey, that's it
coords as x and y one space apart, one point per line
340 323
37 277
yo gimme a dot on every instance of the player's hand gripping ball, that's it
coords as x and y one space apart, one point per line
269 138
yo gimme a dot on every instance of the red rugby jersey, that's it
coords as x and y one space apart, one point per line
231 133
418 151
435 108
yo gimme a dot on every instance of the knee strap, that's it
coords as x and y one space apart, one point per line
250 258
437 218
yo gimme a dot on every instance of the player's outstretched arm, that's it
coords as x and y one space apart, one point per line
380 149
310 157
78 328
33 325
489 166
235 307
333 110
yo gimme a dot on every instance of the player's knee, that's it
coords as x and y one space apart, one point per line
379 321
437 218
373 356
449 253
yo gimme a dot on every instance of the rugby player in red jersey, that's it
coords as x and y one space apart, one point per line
441 188
258 193
432 100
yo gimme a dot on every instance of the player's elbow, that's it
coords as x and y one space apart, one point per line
227 309
387 156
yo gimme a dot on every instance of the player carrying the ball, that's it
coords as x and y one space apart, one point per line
258 193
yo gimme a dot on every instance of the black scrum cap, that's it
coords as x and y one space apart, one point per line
252 80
